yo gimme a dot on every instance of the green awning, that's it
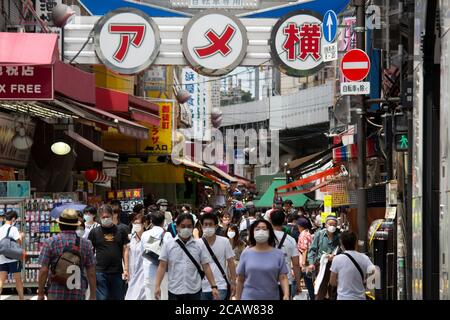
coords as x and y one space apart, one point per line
266 200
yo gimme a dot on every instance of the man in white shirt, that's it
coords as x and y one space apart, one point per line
185 280
11 266
162 205
288 245
350 280
149 266
223 253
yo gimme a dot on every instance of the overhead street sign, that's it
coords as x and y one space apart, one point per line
355 65
214 43
126 40
330 26
297 43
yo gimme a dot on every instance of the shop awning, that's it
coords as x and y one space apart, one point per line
28 48
266 200
189 163
302 161
222 173
127 105
98 154
74 83
124 126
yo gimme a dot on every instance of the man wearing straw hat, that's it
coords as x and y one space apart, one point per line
67 242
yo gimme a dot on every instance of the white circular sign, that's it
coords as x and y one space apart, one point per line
214 43
298 43
127 40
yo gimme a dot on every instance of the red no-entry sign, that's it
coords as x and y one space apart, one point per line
355 65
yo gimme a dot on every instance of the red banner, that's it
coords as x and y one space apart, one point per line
26 83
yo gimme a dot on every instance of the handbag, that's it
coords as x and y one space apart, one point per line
216 261
200 271
152 249
368 296
10 248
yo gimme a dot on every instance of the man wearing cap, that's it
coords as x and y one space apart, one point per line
52 250
326 241
244 227
162 206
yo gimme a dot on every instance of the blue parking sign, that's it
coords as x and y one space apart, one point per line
329 26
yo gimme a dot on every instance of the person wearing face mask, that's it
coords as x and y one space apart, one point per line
222 255
186 263
11 266
262 266
110 245
162 206
136 288
156 233
325 241
236 243
89 215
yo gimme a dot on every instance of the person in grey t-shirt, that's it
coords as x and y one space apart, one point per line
262 266
345 275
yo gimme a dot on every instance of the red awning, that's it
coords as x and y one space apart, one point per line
28 48
74 83
127 105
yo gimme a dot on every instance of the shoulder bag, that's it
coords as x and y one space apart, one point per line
199 269
216 261
10 248
368 297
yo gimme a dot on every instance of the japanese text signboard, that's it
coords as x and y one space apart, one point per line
44 9
198 103
297 43
214 43
160 139
126 40
26 83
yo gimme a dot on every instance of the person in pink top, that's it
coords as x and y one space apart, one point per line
304 242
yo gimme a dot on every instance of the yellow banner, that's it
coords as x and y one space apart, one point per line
160 139
327 201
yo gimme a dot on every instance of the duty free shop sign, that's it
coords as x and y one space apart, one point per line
213 43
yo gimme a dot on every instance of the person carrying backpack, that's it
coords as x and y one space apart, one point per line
64 258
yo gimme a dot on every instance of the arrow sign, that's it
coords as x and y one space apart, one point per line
329 25
355 65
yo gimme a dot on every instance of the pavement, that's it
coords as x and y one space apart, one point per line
16 297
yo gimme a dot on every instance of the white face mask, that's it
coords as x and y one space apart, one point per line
185 233
79 232
88 218
137 227
331 229
107 222
163 208
209 232
231 234
318 221
261 236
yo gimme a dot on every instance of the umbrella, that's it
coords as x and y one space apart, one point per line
56 212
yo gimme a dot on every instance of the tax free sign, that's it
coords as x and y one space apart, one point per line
215 42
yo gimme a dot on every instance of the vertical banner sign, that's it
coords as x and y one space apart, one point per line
160 138
199 87
44 9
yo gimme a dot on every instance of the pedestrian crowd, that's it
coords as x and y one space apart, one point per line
226 253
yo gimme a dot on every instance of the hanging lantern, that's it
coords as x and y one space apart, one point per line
94 176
